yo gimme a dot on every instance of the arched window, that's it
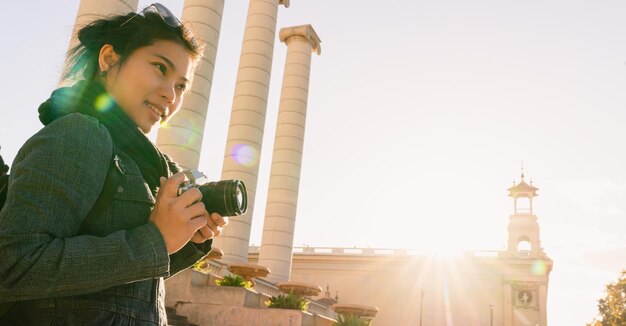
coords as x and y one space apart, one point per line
523 247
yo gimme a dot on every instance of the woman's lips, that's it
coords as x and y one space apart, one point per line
159 111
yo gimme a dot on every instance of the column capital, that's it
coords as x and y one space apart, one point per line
284 3
305 31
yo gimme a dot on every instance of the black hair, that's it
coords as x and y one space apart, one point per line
3 167
126 33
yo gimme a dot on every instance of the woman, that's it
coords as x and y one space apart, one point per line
136 68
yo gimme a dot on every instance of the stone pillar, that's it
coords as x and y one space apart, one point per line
543 305
182 136
247 120
508 305
282 198
90 10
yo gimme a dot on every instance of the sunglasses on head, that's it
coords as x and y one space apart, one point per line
159 9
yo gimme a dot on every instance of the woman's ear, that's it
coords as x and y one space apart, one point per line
107 58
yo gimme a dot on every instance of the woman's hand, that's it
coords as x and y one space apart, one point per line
178 217
213 228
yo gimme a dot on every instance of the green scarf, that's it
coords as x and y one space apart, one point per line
91 98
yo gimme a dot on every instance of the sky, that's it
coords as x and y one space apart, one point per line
420 114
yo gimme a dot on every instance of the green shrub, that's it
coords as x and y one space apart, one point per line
199 265
234 280
351 320
289 301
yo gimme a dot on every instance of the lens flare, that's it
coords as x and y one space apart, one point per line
185 129
245 155
539 267
103 102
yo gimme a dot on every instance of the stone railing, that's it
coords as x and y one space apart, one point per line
373 251
216 268
322 310
265 287
347 251
483 253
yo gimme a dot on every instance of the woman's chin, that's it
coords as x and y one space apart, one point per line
146 129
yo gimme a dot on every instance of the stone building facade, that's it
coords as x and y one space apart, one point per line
507 287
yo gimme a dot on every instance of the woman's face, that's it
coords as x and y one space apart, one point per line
151 84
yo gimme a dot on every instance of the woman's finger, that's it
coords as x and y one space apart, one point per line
205 232
198 222
196 210
218 219
190 197
198 238
169 189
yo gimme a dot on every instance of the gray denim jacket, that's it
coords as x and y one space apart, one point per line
113 274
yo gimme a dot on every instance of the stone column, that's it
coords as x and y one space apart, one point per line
543 305
282 198
182 136
90 10
508 305
247 120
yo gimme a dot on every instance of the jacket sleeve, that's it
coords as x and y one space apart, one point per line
56 178
191 252
188 255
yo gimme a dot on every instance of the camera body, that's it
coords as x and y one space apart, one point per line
225 197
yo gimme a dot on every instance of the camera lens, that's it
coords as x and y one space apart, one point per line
226 197
239 197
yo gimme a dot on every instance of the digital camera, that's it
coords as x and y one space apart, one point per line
225 197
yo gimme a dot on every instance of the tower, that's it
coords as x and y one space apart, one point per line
523 226
526 265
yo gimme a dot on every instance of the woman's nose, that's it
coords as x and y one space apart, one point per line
168 92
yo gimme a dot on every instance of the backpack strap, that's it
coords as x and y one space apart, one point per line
112 181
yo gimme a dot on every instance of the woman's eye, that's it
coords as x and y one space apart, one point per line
161 67
181 87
